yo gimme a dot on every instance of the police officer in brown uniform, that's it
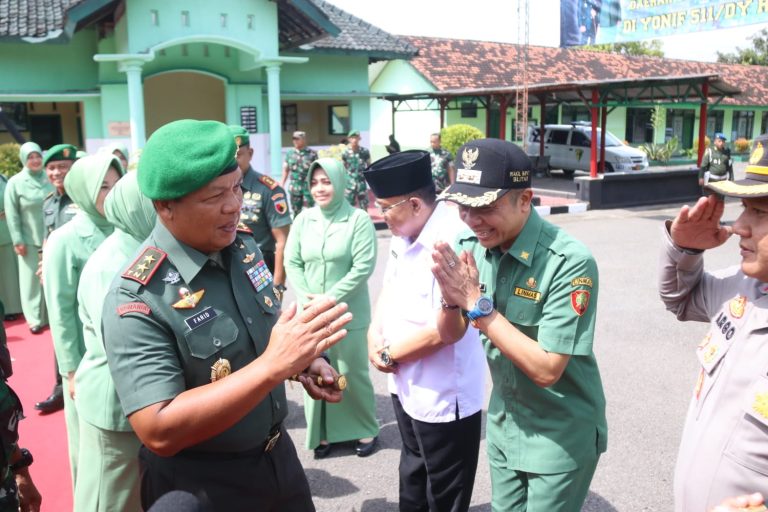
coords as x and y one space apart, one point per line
725 439
196 342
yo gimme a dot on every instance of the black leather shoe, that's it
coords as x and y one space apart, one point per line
53 403
11 318
322 451
366 449
37 329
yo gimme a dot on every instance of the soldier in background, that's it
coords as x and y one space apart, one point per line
443 170
297 162
356 159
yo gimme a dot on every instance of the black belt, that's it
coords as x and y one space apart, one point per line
267 446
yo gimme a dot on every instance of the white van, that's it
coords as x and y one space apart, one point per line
568 148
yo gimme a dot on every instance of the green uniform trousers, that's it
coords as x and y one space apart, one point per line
9 280
73 431
355 416
107 477
32 299
518 491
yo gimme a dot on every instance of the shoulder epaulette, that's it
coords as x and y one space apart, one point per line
242 228
272 184
145 266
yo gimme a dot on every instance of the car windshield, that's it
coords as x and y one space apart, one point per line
610 139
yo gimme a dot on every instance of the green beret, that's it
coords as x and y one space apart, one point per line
353 133
184 156
60 152
242 138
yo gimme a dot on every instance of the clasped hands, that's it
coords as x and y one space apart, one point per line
299 339
457 276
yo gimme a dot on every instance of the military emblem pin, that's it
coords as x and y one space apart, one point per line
220 369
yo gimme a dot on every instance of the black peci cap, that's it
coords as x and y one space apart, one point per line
399 173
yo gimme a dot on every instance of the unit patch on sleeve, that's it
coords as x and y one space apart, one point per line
133 307
580 301
145 266
582 281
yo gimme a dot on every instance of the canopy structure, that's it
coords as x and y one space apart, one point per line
600 96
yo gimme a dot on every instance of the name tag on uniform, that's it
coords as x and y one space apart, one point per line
259 276
201 318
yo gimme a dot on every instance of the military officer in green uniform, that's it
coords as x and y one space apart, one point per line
443 170
356 159
297 162
24 197
531 289
265 208
716 165
58 209
9 267
196 343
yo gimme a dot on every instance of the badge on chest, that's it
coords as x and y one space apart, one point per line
259 276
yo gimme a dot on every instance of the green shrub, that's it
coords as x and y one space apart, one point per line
660 152
9 159
454 136
334 151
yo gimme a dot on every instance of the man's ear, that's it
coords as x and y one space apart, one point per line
164 209
526 197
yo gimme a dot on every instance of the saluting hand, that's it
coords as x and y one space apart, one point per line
299 338
457 276
699 227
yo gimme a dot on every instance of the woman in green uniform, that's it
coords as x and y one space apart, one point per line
108 474
331 250
9 268
24 197
66 251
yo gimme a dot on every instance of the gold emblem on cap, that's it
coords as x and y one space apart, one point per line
760 405
238 140
188 300
757 153
469 157
531 282
249 257
65 152
220 369
268 302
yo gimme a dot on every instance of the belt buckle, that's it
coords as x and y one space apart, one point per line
271 442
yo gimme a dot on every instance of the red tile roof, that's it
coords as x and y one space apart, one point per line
460 63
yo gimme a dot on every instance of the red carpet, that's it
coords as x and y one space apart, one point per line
44 436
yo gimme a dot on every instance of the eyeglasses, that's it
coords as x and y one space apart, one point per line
385 209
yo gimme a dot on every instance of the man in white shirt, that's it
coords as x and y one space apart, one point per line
437 389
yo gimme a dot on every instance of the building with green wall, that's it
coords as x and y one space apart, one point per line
93 72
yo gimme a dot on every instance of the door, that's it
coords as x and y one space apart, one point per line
556 147
45 130
579 151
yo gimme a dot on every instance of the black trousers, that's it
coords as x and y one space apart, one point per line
269 259
243 482
437 462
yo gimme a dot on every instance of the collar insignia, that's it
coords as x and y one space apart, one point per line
525 255
172 277
737 306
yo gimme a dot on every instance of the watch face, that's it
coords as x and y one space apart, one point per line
384 356
485 305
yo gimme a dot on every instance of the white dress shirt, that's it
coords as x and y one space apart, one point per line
432 389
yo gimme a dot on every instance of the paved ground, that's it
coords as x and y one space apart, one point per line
647 363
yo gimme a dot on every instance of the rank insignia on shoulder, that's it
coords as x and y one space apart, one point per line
737 306
242 228
281 206
582 281
188 300
172 277
580 301
220 369
269 182
133 307
145 266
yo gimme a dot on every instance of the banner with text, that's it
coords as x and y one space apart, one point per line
616 21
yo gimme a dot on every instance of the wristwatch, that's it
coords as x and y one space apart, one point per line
483 307
385 358
25 460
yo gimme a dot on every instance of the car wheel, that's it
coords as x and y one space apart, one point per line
568 173
608 167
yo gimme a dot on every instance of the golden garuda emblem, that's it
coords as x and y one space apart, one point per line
469 157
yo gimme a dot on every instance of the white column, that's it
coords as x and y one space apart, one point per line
275 128
132 69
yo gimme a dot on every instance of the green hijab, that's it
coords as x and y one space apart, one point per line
83 182
117 146
27 149
338 176
129 210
